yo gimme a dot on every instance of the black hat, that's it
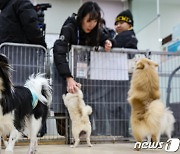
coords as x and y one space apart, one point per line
125 16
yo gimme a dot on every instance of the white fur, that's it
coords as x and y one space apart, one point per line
6 122
35 127
79 113
6 128
35 83
166 125
14 136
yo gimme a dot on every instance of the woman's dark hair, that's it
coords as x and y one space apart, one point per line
94 11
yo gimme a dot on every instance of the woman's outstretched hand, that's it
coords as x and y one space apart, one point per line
72 85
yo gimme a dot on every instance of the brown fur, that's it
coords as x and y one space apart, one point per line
143 96
145 82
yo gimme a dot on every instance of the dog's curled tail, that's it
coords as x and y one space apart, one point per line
39 85
154 114
169 115
87 110
167 122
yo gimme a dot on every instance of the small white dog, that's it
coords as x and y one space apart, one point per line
79 113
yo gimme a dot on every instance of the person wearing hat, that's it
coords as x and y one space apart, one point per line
125 37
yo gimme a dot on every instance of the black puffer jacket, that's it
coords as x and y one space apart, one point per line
19 23
71 34
126 39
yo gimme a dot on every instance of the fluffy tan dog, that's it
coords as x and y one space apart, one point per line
148 114
79 113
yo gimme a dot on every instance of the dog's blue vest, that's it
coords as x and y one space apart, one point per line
35 99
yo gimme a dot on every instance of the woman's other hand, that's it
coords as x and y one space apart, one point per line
108 45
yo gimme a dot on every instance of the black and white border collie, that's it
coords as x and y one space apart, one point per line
22 107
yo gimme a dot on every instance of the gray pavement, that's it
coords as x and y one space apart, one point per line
117 148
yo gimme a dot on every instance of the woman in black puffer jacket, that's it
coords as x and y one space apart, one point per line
19 23
82 29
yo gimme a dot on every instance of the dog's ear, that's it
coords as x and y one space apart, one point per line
63 96
79 85
151 62
3 59
139 65
79 92
4 62
5 73
155 64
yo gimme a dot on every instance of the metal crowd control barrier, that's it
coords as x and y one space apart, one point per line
25 60
174 105
105 79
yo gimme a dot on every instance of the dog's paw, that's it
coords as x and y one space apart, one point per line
72 146
9 150
137 148
90 145
31 151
